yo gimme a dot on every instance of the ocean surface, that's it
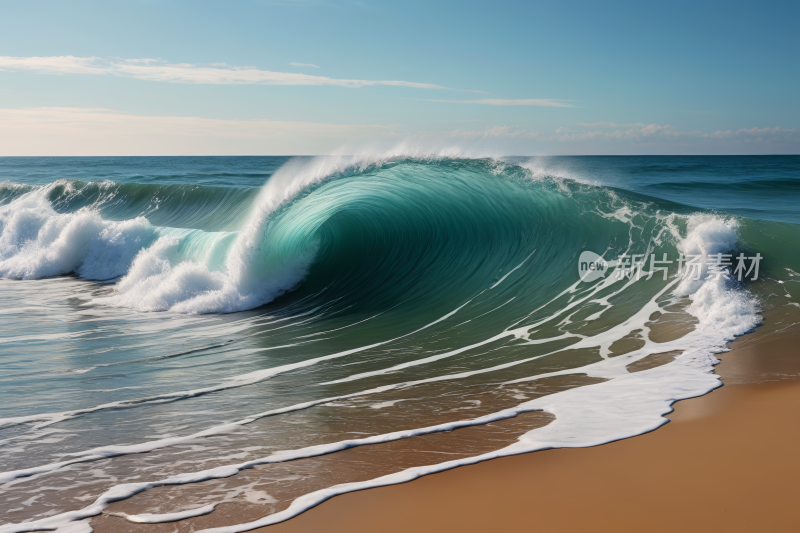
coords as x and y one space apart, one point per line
231 340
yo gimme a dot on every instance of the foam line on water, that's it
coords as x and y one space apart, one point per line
349 325
501 280
154 358
148 518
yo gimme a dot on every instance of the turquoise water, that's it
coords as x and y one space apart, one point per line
211 311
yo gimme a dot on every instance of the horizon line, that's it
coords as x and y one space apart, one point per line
353 155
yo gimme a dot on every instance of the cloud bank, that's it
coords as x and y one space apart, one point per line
539 102
634 139
608 137
78 131
158 70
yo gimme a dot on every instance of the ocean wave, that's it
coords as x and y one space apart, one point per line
474 263
374 230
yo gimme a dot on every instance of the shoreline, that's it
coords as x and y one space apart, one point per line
720 464
726 460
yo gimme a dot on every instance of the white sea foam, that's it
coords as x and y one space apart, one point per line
157 281
149 518
707 235
158 272
37 242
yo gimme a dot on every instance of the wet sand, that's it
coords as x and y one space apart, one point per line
727 461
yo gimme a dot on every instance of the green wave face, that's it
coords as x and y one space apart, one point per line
436 232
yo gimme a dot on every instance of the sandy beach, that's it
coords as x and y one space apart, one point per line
726 461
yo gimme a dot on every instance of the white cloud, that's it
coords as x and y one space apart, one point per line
158 70
497 132
639 138
76 131
312 65
756 134
539 102
610 139
655 132
606 125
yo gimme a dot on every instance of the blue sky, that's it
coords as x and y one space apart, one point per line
308 77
